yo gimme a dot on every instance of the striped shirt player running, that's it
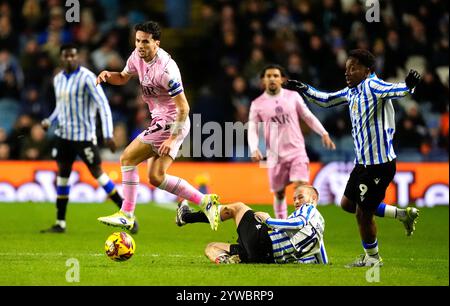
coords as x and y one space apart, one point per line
369 100
262 239
162 90
77 103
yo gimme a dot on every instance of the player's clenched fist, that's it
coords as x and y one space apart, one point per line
102 77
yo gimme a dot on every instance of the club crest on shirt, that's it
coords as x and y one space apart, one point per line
355 108
278 110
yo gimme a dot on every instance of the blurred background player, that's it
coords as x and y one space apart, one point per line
262 239
77 102
162 90
373 126
280 111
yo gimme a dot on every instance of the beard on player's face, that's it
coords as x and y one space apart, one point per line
273 87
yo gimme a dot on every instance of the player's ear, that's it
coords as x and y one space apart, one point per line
158 42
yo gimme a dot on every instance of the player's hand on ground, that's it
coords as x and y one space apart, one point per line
262 216
166 146
412 79
45 124
257 156
328 143
111 144
295 85
103 77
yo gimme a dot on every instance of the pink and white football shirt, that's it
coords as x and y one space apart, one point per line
160 81
282 111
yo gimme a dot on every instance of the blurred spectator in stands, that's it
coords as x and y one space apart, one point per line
178 13
283 43
3 135
417 40
11 76
97 9
331 14
431 90
9 39
209 18
322 63
338 124
253 14
4 151
253 67
106 54
33 104
30 59
86 31
282 18
35 145
21 129
412 131
296 68
4 146
395 56
55 34
240 99
440 52
120 136
380 58
32 14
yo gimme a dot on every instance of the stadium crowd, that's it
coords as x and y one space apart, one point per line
221 59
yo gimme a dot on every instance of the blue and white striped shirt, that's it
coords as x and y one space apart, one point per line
77 102
299 238
371 113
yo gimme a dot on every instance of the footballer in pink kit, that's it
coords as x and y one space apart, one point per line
280 110
162 90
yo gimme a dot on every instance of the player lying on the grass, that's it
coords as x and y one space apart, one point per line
369 101
262 239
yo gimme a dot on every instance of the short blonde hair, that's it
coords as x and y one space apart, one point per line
310 188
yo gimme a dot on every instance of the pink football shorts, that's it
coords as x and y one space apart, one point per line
288 171
159 131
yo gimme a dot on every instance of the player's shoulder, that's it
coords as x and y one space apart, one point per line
58 75
164 58
87 71
259 99
374 80
87 75
291 95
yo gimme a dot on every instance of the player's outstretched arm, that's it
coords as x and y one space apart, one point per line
322 99
295 85
412 79
383 89
113 78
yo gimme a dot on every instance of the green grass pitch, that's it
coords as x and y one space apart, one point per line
173 256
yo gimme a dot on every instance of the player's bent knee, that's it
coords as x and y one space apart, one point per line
156 179
125 160
226 212
210 249
280 194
